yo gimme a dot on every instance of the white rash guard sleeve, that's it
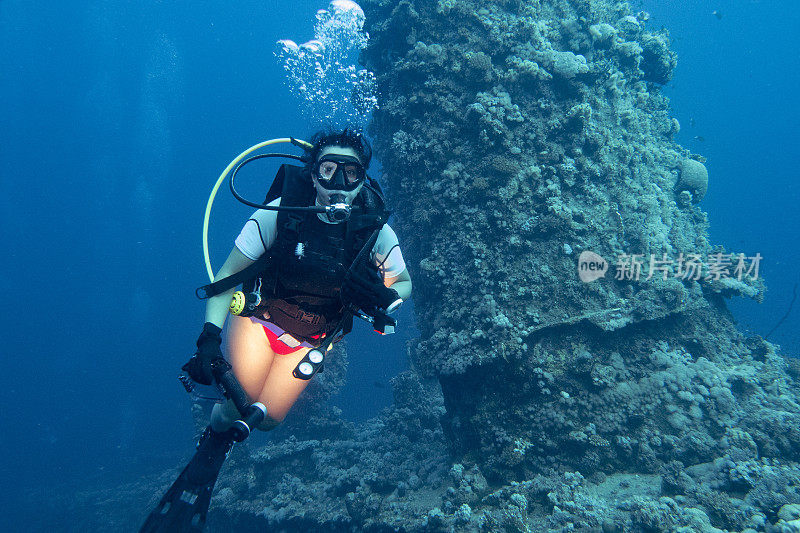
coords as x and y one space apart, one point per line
259 232
386 253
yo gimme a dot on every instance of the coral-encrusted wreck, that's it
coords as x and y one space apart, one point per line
514 136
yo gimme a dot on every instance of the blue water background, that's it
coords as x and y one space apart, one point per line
117 118
737 81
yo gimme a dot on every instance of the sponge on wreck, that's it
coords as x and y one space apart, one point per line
693 179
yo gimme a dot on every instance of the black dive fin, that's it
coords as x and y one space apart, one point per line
184 507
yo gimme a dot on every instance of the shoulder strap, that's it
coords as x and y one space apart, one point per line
289 185
277 185
373 213
297 191
290 181
365 223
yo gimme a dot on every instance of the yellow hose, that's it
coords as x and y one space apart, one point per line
222 177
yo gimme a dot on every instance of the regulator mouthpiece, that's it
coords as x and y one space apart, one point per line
339 210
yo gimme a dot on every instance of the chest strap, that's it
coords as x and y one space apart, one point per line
234 280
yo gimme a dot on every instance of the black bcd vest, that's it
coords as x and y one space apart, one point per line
306 265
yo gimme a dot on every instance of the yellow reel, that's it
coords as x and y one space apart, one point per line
237 303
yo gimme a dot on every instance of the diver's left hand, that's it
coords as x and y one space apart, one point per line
366 292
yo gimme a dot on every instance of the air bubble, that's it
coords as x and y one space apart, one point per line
323 72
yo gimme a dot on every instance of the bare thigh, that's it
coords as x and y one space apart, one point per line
265 376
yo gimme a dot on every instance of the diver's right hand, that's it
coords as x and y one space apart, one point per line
199 366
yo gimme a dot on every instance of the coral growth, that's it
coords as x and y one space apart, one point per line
693 179
514 136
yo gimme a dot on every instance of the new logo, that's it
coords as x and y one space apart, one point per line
591 266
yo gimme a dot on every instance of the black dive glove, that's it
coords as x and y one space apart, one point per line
365 290
208 350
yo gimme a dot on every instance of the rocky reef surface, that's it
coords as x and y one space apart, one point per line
514 136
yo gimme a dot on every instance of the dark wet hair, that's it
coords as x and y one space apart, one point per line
345 138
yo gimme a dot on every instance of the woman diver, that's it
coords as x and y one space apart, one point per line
309 283
314 268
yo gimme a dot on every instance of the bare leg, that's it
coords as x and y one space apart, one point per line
265 376
281 389
251 356
249 353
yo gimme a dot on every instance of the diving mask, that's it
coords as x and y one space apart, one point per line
336 172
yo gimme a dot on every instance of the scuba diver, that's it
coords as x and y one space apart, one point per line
316 253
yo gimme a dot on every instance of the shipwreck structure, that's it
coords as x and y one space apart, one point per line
516 138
